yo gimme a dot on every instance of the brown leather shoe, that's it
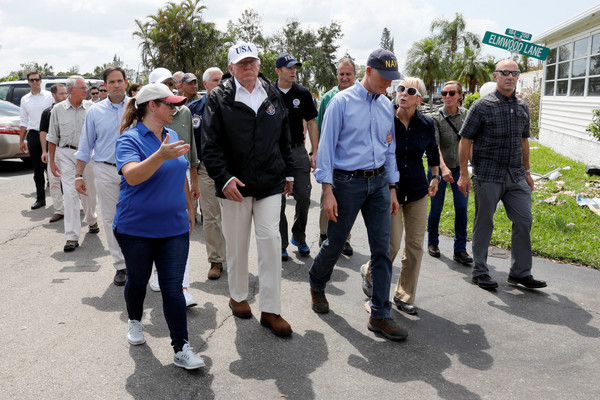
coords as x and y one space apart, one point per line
319 302
434 250
276 324
388 327
215 270
56 217
241 309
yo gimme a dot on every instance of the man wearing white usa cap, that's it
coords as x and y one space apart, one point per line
246 150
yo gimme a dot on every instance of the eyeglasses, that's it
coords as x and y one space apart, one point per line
82 88
103 90
506 72
411 91
449 92
171 105
170 84
34 80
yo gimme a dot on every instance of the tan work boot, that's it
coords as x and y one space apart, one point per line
215 270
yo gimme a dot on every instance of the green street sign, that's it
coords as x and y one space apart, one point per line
522 35
516 46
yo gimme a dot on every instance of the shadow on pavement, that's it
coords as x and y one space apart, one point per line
263 356
424 356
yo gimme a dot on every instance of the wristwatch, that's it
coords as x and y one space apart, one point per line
438 177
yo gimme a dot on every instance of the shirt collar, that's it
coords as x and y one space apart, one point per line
117 105
143 129
239 87
364 93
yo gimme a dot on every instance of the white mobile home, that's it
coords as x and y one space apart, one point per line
571 86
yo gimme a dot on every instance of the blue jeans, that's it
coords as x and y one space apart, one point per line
170 255
371 196
460 212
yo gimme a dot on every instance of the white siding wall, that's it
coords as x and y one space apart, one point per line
563 121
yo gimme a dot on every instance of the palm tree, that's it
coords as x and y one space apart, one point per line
425 59
471 69
453 32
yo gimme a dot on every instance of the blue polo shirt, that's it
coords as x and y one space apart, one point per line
156 207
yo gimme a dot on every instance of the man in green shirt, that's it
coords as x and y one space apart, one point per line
346 75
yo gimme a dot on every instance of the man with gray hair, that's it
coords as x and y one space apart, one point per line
209 204
59 93
66 121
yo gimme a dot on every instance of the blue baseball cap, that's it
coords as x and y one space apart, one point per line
286 60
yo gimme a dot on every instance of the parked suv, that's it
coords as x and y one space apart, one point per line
13 91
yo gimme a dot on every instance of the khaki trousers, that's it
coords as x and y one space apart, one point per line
211 212
411 218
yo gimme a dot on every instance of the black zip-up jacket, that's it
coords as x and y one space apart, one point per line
255 148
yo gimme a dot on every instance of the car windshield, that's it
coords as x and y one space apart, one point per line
8 109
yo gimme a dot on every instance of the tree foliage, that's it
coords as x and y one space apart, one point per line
425 60
452 34
470 68
387 41
178 38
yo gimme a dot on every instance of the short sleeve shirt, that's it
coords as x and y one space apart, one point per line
496 124
300 105
157 207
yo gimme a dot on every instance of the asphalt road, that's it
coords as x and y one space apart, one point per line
63 325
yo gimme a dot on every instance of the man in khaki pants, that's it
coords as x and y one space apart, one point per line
211 211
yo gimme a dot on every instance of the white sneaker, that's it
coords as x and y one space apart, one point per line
187 359
189 299
135 336
154 284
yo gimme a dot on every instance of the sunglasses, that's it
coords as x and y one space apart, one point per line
411 91
94 93
34 80
506 72
450 92
103 90
171 105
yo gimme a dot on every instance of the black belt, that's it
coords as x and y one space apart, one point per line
294 145
364 173
33 130
71 147
109 163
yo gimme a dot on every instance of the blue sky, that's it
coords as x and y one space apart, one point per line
64 33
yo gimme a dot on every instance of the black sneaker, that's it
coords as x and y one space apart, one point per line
485 282
348 250
527 281
408 308
322 239
463 257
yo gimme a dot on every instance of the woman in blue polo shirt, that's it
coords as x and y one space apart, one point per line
155 213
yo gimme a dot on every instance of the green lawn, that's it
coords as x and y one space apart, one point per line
564 232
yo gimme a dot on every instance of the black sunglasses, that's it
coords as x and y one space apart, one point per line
450 92
103 90
158 101
93 93
34 80
506 72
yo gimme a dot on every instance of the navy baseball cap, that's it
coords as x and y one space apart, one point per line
385 62
286 60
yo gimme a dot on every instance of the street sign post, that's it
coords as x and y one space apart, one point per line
516 45
517 34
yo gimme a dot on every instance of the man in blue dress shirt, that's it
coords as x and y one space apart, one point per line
357 168
100 134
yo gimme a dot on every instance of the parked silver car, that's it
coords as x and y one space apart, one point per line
9 131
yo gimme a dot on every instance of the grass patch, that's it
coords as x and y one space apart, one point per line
562 231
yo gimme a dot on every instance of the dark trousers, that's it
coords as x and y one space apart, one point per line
35 152
170 255
301 193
